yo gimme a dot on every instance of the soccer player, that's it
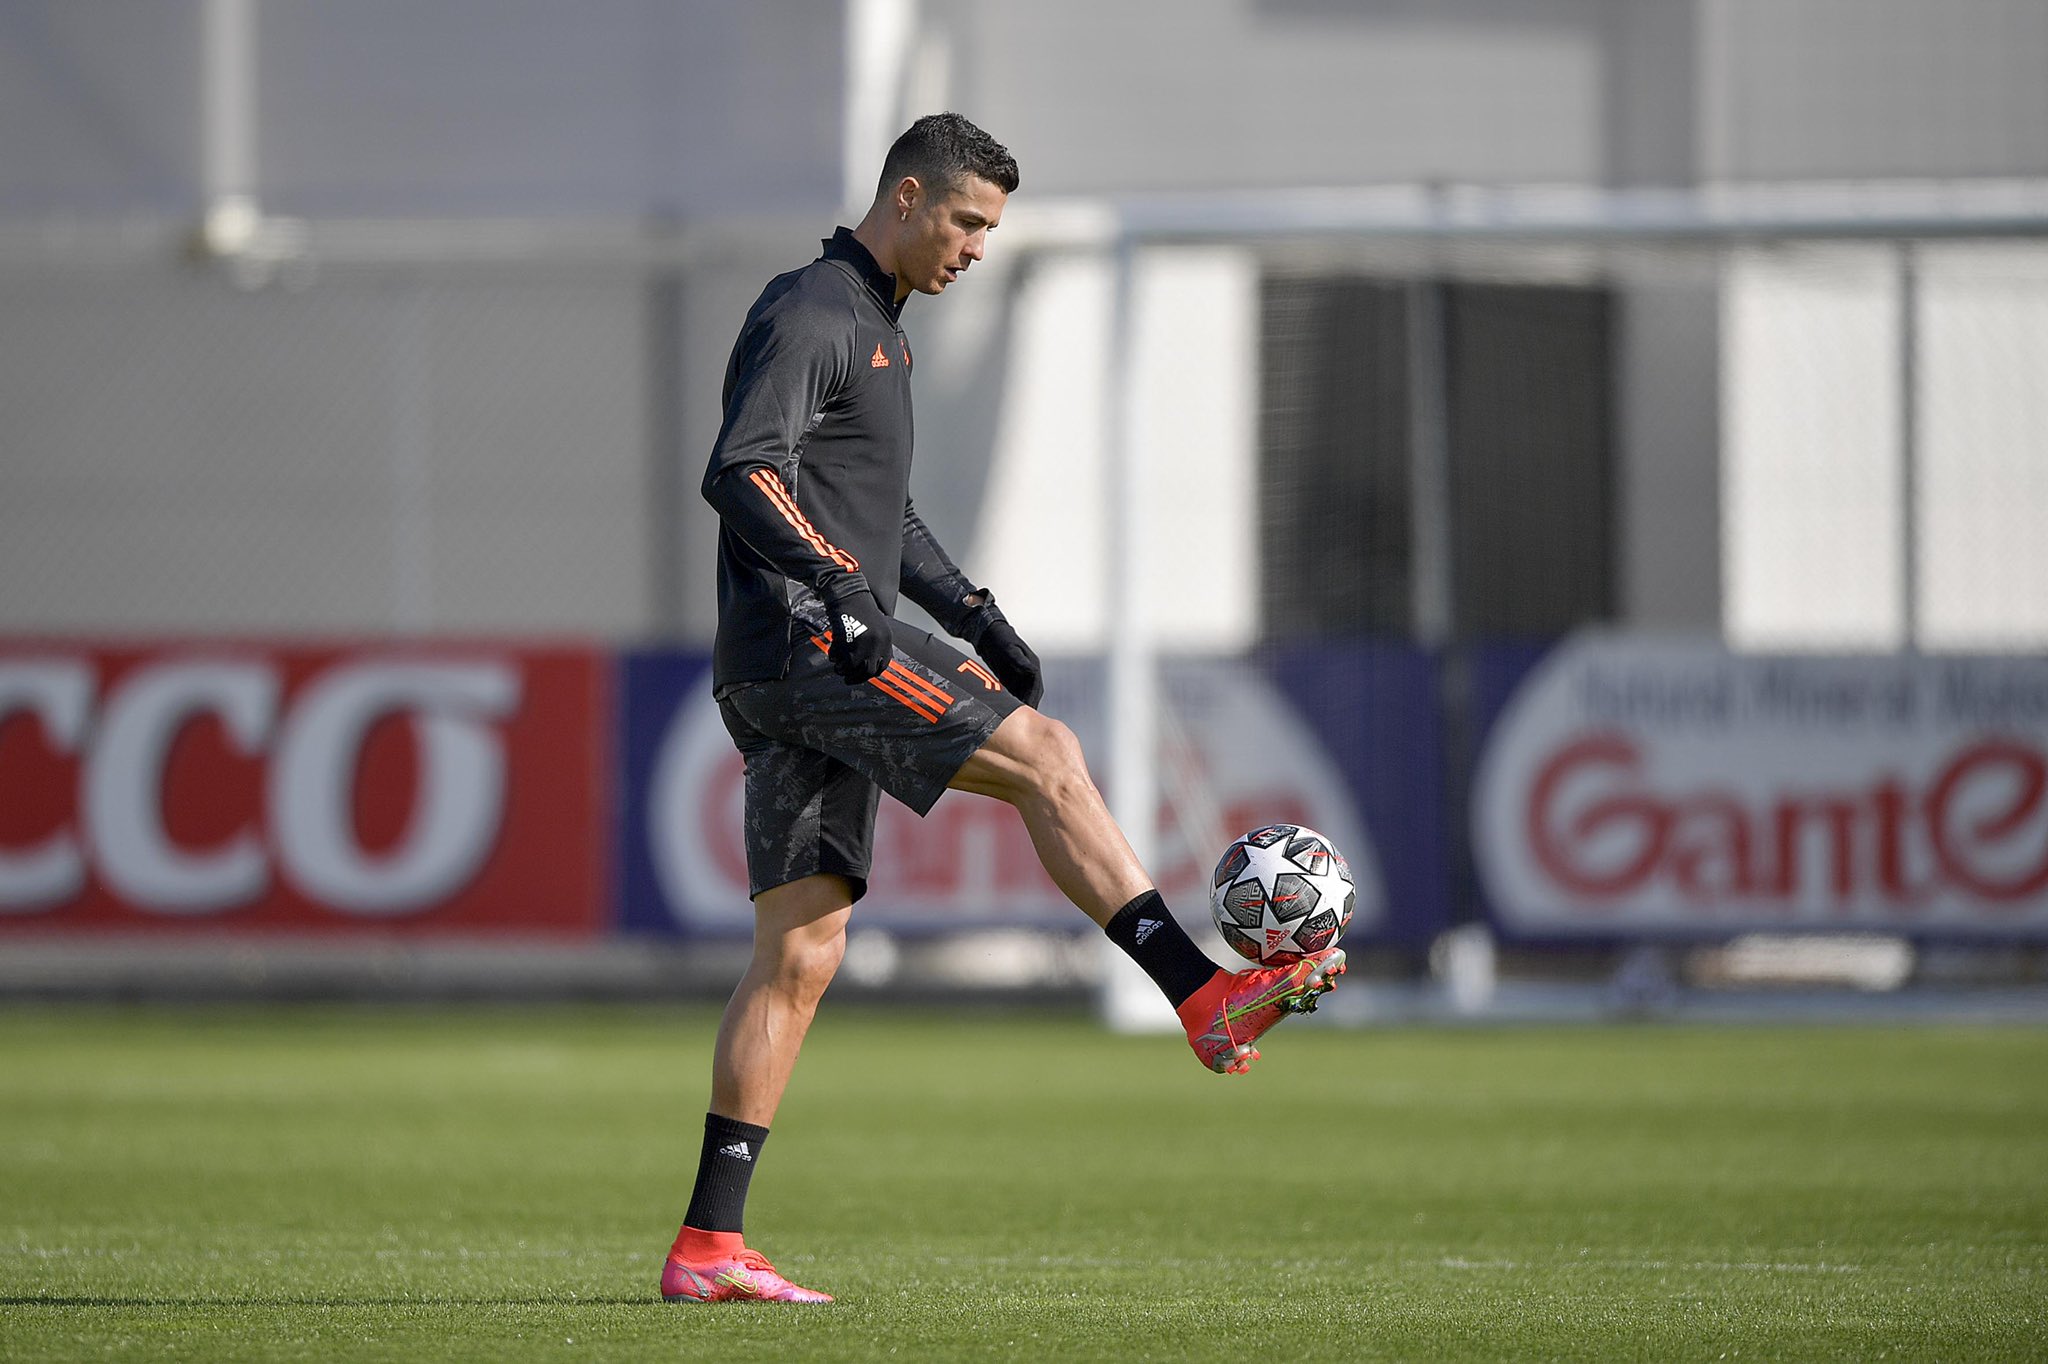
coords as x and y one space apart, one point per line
832 701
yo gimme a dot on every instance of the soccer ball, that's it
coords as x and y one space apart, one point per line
1280 893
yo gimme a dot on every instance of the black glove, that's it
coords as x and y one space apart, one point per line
1012 661
860 634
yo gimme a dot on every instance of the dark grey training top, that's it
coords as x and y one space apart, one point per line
811 472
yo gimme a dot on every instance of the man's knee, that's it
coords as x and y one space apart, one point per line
1030 757
806 966
800 933
1052 759
1060 749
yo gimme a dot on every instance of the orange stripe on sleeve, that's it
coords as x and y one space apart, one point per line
778 495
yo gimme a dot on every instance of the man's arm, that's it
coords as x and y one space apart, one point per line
932 580
787 365
785 369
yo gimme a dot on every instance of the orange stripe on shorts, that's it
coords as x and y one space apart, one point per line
889 687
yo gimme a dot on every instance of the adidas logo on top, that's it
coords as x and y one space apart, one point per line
1147 927
739 1150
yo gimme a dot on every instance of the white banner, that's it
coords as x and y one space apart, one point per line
1635 785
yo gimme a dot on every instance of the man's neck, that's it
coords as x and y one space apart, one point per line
873 234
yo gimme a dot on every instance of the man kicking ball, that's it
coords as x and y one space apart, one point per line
831 701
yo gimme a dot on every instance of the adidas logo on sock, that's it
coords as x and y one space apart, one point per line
1147 927
738 1151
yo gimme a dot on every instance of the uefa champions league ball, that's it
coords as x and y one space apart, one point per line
1280 893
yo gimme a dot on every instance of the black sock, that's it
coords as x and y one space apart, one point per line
1145 929
719 1202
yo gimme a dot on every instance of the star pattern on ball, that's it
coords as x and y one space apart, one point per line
1279 893
1287 907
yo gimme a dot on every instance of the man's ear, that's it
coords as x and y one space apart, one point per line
908 193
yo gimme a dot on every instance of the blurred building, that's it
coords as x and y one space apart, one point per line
379 316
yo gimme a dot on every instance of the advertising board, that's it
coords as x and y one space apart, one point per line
1235 753
1634 786
282 787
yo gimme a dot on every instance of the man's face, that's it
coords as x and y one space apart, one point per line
945 234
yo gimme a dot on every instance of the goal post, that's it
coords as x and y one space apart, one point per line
1754 248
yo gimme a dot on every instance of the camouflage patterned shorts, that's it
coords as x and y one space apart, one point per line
819 752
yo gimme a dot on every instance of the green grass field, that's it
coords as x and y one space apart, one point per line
409 1184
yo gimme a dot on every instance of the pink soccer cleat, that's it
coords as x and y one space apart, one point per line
743 1277
1231 1012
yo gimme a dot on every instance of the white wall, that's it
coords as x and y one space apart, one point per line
1810 481
207 458
1209 94
182 455
429 108
1848 89
705 109
1984 446
101 107
1043 540
1812 457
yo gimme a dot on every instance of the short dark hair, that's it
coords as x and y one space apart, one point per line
942 151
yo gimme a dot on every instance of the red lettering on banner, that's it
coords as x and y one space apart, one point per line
1977 771
1017 866
211 789
924 858
419 788
1712 855
1891 808
967 845
36 798
1835 820
1600 830
971 846
387 780
1643 821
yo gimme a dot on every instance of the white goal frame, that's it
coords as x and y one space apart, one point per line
1903 213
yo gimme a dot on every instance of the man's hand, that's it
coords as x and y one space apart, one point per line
1012 661
860 635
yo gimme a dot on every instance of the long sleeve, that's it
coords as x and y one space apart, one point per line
788 363
932 580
